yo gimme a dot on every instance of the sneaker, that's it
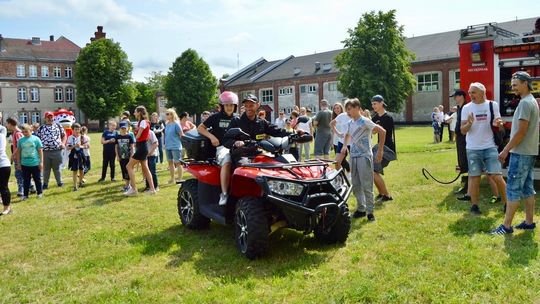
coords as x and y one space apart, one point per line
475 210
386 198
40 195
101 180
113 179
223 197
60 184
6 212
525 226
45 186
150 192
146 190
24 198
465 198
371 217
157 189
81 185
359 214
461 190
501 230
495 199
20 194
126 188
378 197
75 189
130 192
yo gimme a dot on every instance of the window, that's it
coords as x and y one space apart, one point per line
32 71
285 91
68 73
36 116
44 71
34 94
302 89
23 118
332 86
57 72
21 94
70 93
267 96
312 88
427 82
457 80
58 94
21 71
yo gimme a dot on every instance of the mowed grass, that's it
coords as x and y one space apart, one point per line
97 246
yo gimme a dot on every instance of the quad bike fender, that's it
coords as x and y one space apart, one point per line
205 173
243 185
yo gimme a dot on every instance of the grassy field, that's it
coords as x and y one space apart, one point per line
97 246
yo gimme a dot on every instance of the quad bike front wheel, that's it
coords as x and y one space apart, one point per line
251 227
338 232
188 206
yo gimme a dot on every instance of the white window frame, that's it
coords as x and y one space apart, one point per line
332 86
44 71
32 71
427 85
58 94
68 72
267 96
23 117
22 94
35 117
34 94
312 88
21 70
57 72
285 91
70 94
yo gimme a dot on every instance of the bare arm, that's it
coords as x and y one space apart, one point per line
203 131
40 152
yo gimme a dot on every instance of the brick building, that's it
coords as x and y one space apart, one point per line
37 76
305 80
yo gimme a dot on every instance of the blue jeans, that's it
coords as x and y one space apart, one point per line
152 161
484 159
520 184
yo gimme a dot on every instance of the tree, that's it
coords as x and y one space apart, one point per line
102 78
376 61
156 80
190 85
144 95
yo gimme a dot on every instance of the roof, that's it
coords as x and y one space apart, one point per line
23 49
446 45
426 48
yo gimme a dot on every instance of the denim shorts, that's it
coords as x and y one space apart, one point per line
483 160
174 155
520 183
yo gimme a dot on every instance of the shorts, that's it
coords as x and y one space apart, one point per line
141 151
76 164
520 182
223 156
323 142
486 159
174 155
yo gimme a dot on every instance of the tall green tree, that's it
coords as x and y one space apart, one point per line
376 61
102 78
144 95
156 80
190 85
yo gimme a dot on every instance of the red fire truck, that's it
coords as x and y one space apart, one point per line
490 55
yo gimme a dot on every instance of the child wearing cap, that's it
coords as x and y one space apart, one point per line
124 149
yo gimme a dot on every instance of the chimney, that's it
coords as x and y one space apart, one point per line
36 41
317 66
51 38
99 34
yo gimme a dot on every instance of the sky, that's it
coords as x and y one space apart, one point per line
230 34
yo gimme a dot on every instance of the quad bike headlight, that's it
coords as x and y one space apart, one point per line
285 188
337 182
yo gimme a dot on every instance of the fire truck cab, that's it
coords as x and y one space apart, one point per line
490 55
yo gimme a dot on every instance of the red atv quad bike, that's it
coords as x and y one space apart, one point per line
269 190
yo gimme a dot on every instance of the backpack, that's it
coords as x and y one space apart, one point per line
498 133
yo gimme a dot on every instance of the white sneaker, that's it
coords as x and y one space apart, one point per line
150 192
223 197
130 192
24 198
40 195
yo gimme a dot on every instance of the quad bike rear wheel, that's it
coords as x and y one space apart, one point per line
251 227
338 232
188 206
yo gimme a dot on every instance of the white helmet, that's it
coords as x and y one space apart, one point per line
228 97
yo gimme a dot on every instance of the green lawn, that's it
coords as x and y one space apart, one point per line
97 246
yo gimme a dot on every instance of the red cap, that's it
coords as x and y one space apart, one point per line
48 113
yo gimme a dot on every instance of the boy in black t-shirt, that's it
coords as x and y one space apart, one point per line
387 122
124 149
214 127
